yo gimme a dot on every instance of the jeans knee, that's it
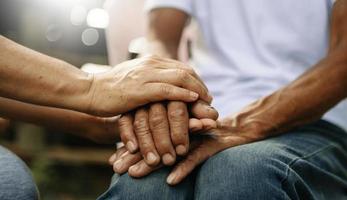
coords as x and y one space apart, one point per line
240 173
16 180
152 187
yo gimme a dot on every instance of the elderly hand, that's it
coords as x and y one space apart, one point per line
141 81
160 131
226 135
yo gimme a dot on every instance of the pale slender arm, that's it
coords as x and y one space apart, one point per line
32 77
29 76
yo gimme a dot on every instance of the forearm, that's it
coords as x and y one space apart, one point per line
311 95
32 77
61 119
165 28
158 47
302 101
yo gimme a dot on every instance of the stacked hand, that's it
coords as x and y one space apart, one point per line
156 133
160 130
223 136
142 81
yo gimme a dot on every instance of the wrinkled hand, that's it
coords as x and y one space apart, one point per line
141 81
224 136
160 130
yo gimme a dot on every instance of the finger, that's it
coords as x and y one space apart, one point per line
160 130
185 167
122 164
189 69
144 137
195 125
208 124
178 120
141 169
155 92
127 134
181 78
201 109
116 155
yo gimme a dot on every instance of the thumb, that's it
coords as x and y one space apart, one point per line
201 109
185 167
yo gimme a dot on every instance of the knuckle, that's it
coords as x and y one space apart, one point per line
178 113
141 127
123 121
165 90
190 161
149 60
157 121
157 108
182 75
190 70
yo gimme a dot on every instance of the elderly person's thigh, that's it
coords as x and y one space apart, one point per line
152 186
306 163
16 181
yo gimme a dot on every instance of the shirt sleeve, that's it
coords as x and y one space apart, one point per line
184 5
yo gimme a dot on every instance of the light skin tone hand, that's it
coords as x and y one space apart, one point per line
145 80
160 131
302 101
54 83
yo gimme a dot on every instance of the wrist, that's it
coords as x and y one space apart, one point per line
248 121
82 93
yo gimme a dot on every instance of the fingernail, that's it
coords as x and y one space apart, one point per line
171 178
118 165
112 158
168 159
131 146
180 149
194 95
151 158
134 168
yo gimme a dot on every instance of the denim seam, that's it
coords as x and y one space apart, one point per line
290 164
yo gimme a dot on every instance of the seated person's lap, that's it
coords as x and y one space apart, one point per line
16 181
307 163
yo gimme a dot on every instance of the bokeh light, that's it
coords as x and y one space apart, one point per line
90 36
97 18
53 33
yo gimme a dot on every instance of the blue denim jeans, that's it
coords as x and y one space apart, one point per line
307 163
16 182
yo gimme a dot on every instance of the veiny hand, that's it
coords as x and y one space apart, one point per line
141 81
224 136
160 130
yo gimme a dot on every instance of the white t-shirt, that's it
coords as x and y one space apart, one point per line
249 49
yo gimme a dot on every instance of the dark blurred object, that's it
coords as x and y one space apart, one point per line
4 124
